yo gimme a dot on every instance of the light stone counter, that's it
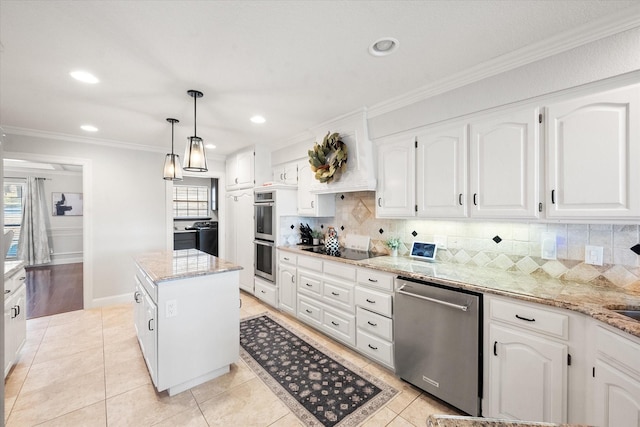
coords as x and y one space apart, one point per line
182 264
460 421
595 301
10 267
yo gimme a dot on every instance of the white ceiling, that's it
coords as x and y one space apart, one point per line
298 63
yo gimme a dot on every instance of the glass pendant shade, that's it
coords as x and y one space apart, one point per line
195 158
172 168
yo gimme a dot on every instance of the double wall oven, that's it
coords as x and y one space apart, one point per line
264 233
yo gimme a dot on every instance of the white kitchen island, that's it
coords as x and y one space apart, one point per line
187 316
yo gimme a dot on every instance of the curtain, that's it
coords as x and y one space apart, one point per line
33 244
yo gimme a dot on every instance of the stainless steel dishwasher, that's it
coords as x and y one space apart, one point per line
438 338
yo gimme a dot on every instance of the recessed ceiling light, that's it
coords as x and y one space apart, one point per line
89 128
211 146
258 119
84 76
384 46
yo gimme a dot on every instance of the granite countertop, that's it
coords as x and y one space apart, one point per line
182 264
460 421
595 301
10 267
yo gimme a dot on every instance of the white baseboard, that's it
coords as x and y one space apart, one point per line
113 300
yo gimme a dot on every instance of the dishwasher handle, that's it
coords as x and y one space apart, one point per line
437 301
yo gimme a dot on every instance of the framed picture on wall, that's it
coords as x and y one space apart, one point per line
67 204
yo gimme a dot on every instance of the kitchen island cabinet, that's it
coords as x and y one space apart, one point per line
187 317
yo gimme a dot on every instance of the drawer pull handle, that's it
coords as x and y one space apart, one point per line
308 311
262 291
371 323
286 259
149 325
136 296
372 347
335 294
309 285
334 323
369 301
373 280
525 318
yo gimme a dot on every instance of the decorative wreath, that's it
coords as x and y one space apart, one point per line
328 160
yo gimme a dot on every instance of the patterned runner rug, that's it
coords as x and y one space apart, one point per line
318 386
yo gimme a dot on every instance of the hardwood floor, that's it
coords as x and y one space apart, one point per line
53 289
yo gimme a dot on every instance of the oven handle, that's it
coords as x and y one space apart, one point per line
264 243
437 301
270 204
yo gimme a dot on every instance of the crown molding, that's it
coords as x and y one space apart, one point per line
595 30
10 130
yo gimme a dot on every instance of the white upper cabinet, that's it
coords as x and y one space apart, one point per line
312 204
286 174
441 172
395 195
244 171
593 156
505 156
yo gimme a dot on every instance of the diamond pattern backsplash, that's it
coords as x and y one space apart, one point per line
471 242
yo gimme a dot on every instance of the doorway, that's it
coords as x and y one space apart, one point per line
57 286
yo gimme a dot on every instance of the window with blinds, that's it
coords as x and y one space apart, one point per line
13 192
190 201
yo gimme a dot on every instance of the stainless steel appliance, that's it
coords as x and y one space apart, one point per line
265 229
206 237
347 253
438 338
265 259
264 209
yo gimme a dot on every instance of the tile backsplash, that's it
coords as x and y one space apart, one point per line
512 246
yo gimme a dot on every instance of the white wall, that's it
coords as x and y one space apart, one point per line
65 232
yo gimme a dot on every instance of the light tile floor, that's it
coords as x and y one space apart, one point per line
85 368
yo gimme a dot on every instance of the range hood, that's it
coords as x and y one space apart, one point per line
360 173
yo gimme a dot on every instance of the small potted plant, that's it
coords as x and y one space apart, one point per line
393 243
316 235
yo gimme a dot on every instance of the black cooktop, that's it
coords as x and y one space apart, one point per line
352 254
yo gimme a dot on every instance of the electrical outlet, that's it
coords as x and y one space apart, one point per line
549 249
171 308
593 255
441 241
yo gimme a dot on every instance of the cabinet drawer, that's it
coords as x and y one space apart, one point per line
375 301
338 295
375 347
266 293
530 317
309 283
618 347
343 271
375 279
148 285
310 263
374 323
308 311
287 258
340 325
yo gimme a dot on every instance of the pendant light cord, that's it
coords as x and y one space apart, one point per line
172 137
195 117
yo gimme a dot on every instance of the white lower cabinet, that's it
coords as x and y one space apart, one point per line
526 362
266 291
616 379
239 235
15 320
287 282
187 328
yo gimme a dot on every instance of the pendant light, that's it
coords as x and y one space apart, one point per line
194 157
172 168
